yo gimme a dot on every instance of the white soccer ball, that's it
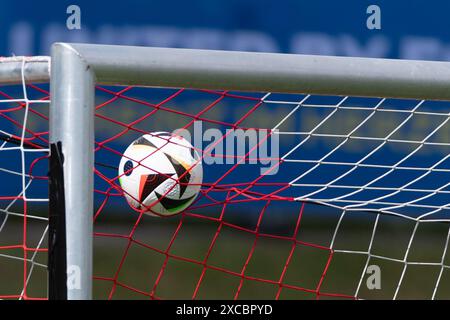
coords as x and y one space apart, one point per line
160 173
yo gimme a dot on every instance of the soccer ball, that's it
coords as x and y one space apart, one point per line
160 173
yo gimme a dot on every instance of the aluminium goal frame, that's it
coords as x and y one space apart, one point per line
75 69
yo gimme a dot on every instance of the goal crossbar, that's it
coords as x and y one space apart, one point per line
246 71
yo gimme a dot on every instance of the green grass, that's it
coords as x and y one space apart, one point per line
179 276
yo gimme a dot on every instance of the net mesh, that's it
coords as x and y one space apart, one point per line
24 151
339 197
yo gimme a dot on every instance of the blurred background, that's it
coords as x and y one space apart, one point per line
415 29
147 257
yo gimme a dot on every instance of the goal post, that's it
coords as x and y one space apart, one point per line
71 201
263 72
76 69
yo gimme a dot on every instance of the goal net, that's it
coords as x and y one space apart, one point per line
322 193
